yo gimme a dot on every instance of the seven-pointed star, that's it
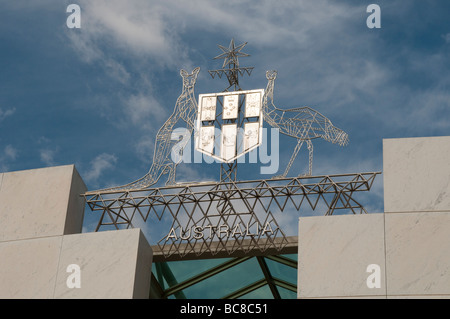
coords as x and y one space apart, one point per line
231 54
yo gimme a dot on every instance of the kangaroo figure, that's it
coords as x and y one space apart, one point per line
303 123
186 111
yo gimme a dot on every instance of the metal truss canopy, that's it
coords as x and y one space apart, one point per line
266 271
232 204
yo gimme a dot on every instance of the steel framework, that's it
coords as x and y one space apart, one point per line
183 114
164 282
231 69
301 123
230 215
232 204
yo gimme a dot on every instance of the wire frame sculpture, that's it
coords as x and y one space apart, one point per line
231 68
224 216
230 215
303 123
184 114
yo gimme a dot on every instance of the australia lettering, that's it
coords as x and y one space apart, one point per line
239 230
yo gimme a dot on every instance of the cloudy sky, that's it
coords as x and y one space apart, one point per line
96 96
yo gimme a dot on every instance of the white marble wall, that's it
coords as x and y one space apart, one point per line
41 202
113 264
410 241
412 250
28 267
416 173
41 213
109 263
417 207
334 253
418 254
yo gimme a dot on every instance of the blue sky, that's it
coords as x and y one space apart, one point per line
96 96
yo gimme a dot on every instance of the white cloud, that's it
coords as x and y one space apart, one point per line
5 113
156 30
47 151
152 34
134 28
85 46
428 111
144 149
446 37
144 109
187 173
98 165
117 71
9 154
47 156
326 56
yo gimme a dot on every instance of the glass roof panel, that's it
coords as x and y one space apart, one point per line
241 277
260 293
286 293
291 256
158 272
185 269
282 271
226 281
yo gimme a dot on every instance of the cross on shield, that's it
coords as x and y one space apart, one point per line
229 124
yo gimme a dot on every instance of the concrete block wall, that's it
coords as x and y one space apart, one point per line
41 216
410 241
41 202
334 253
417 216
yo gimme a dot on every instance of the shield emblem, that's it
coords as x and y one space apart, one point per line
229 124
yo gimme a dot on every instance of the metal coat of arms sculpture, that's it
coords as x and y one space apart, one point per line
239 133
229 215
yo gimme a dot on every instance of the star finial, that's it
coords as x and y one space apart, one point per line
231 54
231 68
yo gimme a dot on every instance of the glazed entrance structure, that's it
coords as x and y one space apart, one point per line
218 230
204 233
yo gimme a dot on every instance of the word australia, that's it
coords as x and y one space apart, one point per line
220 231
